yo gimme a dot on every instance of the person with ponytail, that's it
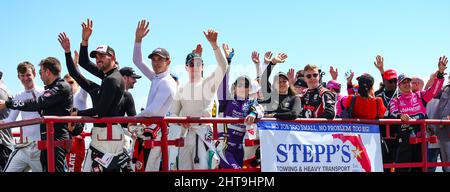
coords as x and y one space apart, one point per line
365 105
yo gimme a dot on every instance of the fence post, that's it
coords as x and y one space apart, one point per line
164 147
50 146
424 146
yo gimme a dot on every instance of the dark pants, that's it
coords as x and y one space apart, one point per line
4 155
389 151
433 154
60 160
409 153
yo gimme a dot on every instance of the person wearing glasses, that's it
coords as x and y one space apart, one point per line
412 105
318 101
387 92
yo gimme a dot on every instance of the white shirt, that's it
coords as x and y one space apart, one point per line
30 132
80 99
162 90
196 99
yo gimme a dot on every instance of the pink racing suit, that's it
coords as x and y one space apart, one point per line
414 105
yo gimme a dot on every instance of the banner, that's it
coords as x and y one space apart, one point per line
301 147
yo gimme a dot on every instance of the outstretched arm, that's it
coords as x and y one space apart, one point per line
84 55
71 66
141 31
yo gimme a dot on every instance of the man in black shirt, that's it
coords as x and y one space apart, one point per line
56 100
106 152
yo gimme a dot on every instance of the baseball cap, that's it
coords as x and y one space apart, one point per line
193 57
275 78
390 74
403 77
365 80
332 84
103 49
301 82
128 71
161 52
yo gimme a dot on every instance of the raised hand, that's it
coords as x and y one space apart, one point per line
442 64
87 31
333 73
291 76
267 57
349 76
280 58
227 50
255 57
141 30
250 119
379 63
198 50
64 41
211 36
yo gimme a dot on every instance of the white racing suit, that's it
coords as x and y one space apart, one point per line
198 151
107 156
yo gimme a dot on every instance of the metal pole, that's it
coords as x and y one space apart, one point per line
424 147
164 147
50 146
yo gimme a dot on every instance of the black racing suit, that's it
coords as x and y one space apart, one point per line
109 104
56 101
318 103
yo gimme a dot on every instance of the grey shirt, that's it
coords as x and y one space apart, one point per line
6 138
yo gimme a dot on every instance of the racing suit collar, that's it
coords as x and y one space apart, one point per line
53 83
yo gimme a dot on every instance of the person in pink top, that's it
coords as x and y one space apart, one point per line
412 105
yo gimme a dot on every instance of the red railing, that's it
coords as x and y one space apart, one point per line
162 122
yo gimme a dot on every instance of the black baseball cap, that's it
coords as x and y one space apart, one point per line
128 71
301 82
161 52
191 57
103 49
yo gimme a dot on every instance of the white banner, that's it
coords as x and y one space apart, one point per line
295 147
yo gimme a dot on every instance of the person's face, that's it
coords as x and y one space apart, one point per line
391 85
160 64
45 75
242 89
72 84
27 78
130 81
417 84
312 78
405 86
104 61
283 85
195 67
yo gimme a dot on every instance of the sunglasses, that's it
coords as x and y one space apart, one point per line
309 76
392 81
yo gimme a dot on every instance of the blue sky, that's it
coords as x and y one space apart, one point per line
347 34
